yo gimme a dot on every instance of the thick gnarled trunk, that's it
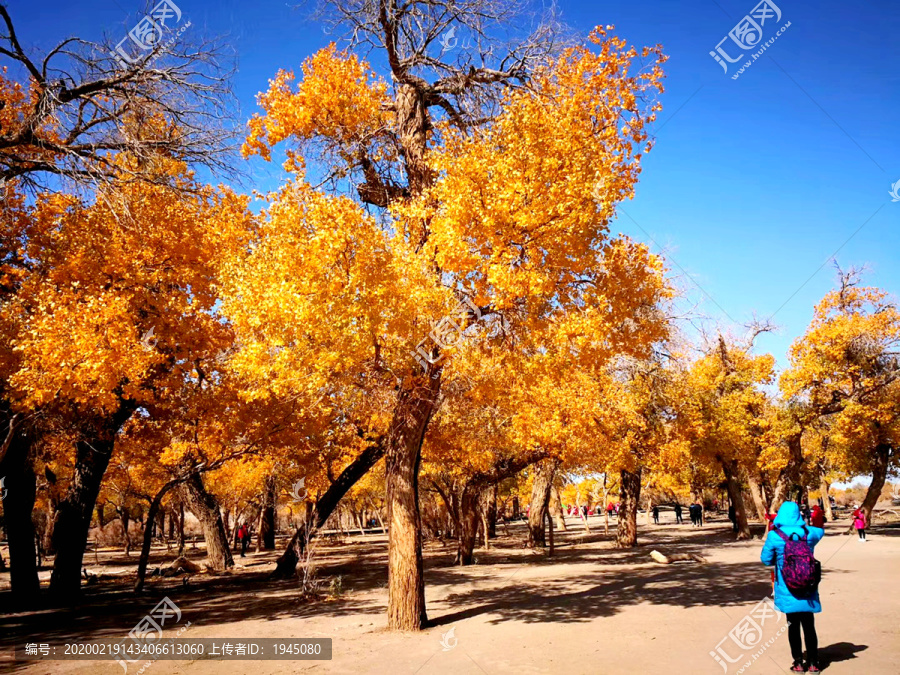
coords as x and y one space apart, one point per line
629 494
882 458
206 509
789 479
826 502
403 446
77 508
556 505
756 492
266 529
541 488
730 469
467 526
18 504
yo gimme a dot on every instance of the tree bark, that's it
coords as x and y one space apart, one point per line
75 510
180 528
550 537
148 533
730 469
20 485
206 509
403 446
558 507
124 519
758 497
882 459
320 512
826 502
629 494
790 475
266 529
541 487
492 513
467 526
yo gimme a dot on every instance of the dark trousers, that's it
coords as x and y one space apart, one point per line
861 532
807 620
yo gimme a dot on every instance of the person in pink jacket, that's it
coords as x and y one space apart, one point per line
859 522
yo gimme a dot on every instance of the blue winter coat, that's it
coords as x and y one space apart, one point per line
790 522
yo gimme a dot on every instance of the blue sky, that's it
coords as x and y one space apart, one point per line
753 184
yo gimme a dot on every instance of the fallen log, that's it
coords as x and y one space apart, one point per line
181 566
676 557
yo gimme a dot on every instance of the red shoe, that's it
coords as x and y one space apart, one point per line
814 668
798 667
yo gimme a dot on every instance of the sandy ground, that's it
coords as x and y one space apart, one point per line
588 609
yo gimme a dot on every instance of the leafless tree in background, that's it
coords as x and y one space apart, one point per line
78 108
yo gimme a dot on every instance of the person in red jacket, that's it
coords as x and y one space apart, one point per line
817 517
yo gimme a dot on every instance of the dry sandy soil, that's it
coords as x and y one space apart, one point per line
588 609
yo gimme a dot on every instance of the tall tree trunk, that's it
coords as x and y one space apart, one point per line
180 528
320 512
403 446
557 506
629 494
756 493
826 502
467 525
550 538
882 459
75 510
492 513
541 487
124 519
730 469
266 529
160 519
206 509
148 533
789 478
20 485
101 516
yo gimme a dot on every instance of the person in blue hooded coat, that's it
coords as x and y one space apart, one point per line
799 611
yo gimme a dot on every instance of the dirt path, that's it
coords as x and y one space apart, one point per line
589 609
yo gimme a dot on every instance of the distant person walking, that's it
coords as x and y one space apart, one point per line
244 535
789 547
678 518
732 516
656 515
859 522
696 514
